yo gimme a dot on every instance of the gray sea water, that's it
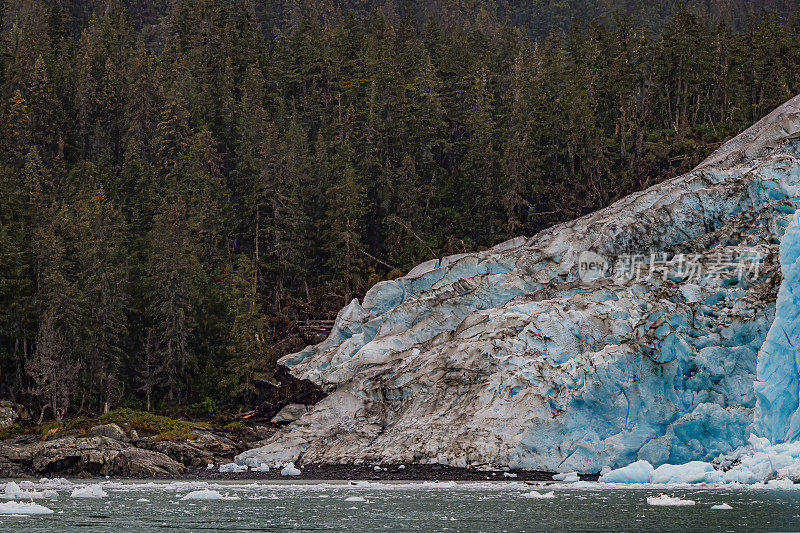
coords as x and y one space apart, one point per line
330 506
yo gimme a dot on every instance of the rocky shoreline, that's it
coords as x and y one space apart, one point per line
411 472
108 450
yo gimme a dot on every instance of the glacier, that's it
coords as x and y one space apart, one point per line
777 385
517 356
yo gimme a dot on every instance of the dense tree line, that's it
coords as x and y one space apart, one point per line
174 199
535 18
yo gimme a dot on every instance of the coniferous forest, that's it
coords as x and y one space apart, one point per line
183 183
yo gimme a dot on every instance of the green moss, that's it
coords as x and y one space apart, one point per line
12 431
145 423
76 424
207 408
236 425
163 427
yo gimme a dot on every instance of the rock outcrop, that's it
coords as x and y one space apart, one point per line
107 450
629 334
11 413
90 455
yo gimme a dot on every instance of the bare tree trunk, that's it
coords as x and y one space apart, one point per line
41 414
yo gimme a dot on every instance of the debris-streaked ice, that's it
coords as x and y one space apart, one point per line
531 365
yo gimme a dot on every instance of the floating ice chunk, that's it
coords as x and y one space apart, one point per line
377 468
569 476
210 466
767 461
56 483
691 472
509 474
25 508
781 484
13 491
290 470
89 491
722 507
539 496
355 499
143 500
232 467
263 467
401 467
667 501
638 472
24 491
208 494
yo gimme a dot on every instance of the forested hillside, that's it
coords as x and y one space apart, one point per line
178 191
534 18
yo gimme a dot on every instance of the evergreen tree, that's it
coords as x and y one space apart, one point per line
100 259
17 136
173 131
182 182
346 205
172 268
249 348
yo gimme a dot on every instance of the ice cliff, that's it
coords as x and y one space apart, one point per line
777 385
522 356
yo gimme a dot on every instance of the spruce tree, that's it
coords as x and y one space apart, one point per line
172 272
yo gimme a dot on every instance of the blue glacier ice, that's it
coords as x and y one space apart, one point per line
638 472
510 357
777 385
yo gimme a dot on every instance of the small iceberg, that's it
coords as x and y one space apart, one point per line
722 507
143 500
539 496
232 467
570 477
290 470
23 508
208 494
355 499
56 483
638 472
24 491
89 491
664 500
691 472
263 467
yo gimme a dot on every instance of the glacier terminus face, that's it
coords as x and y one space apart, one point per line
662 329
777 385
